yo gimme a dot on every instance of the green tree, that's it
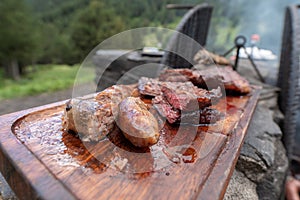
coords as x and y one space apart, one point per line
18 37
93 25
56 46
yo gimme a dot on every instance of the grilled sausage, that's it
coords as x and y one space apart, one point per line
138 125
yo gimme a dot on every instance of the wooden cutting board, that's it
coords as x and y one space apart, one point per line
39 160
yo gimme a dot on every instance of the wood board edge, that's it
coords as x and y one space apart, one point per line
216 185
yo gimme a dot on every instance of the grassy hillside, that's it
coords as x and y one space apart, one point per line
43 78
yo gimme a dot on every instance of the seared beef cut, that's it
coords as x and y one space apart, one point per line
94 118
207 58
187 97
232 81
153 87
205 116
165 109
149 86
181 75
176 75
210 77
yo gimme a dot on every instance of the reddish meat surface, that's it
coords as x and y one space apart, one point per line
183 75
233 82
165 109
205 116
149 86
187 97
209 78
176 75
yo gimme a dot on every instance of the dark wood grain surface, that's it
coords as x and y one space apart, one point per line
39 160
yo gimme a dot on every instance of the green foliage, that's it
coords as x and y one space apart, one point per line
70 29
222 35
44 78
18 33
56 31
94 24
57 12
56 47
224 25
56 18
143 13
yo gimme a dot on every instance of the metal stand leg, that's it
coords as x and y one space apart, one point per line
254 66
240 42
237 58
230 50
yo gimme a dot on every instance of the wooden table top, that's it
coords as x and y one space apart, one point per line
39 160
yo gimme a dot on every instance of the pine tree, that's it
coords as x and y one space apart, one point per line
18 36
94 24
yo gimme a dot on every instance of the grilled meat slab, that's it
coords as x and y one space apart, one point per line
231 80
176 75
187 97
204 116
149 86
178 93
165 109
177 97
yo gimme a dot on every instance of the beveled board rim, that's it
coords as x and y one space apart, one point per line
12 149
17 160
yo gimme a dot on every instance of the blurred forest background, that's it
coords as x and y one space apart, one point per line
35 32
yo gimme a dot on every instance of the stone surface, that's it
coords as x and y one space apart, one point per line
272 184
263 159
6 192
269 178
262 131
258 151
240 187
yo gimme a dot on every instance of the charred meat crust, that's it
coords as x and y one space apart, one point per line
187 97
182 90
174 116
177 97
149 86
206 116
232 81
165 109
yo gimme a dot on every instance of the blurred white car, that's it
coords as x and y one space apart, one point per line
257 53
